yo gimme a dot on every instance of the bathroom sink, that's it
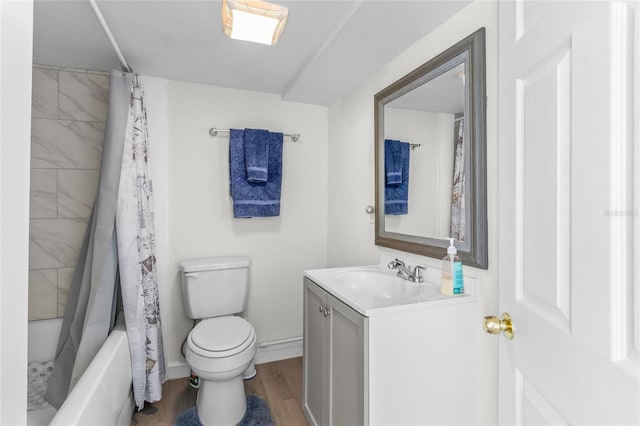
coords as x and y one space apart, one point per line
375 287
368 289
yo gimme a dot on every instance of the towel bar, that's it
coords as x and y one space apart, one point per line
295 137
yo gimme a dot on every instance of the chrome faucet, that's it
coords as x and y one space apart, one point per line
406 273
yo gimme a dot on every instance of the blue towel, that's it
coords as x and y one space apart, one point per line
256 154
255 199
393 162
396 195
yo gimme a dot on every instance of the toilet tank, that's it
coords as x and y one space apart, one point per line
214 286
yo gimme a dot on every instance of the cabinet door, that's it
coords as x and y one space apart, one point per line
315 355
347 365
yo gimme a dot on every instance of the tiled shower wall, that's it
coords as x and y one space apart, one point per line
69 109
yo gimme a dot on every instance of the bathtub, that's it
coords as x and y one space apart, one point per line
102 396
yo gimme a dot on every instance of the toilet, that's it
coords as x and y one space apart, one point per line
221 347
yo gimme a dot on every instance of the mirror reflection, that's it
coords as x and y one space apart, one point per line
430 128
431 119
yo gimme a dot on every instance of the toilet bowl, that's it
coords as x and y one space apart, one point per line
221 347
219 350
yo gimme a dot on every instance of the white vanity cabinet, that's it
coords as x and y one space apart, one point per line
334 360
399 365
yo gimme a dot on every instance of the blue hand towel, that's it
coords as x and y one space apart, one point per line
255 199
256 154
396 195
393 162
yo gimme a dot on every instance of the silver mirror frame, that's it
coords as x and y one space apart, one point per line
474 251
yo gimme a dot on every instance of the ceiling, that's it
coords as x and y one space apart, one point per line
326 49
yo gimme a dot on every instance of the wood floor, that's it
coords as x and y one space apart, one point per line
279 383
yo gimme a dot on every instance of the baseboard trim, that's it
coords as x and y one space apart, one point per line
267 352
276 351
177 370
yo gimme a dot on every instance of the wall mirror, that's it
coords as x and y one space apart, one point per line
430 154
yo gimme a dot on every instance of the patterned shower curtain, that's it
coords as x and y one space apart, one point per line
136 254
457 197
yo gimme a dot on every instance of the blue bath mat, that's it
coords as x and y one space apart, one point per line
257 414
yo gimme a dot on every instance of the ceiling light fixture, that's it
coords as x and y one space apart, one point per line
253 20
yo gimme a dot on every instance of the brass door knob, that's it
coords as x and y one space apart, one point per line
495 325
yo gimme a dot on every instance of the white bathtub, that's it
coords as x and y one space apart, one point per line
103 395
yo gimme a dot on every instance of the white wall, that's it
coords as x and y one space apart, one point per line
16 35
351 178
201 222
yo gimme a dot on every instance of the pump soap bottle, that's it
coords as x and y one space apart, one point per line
452 282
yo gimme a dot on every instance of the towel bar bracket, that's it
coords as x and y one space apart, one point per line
295 137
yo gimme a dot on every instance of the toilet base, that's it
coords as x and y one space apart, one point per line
221 403
250 372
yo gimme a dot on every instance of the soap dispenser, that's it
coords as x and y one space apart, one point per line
452 282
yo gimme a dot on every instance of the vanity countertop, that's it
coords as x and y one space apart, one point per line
376 290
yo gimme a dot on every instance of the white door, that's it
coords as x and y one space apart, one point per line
569 245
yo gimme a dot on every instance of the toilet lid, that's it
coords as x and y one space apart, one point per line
221 334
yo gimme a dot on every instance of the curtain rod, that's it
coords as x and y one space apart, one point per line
96 10
295 137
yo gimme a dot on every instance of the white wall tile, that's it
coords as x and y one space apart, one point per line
44 100
83 96
66 144
55 243
76 192
44 194
69 108
43 286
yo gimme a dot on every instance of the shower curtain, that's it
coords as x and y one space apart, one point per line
136 252
91 304
458 212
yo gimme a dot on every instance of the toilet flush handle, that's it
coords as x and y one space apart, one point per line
193 275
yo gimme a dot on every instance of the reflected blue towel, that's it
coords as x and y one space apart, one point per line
396 195
256 154
393 162
255 199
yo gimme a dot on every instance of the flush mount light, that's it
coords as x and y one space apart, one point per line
253 20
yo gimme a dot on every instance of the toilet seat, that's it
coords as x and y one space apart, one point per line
221 337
